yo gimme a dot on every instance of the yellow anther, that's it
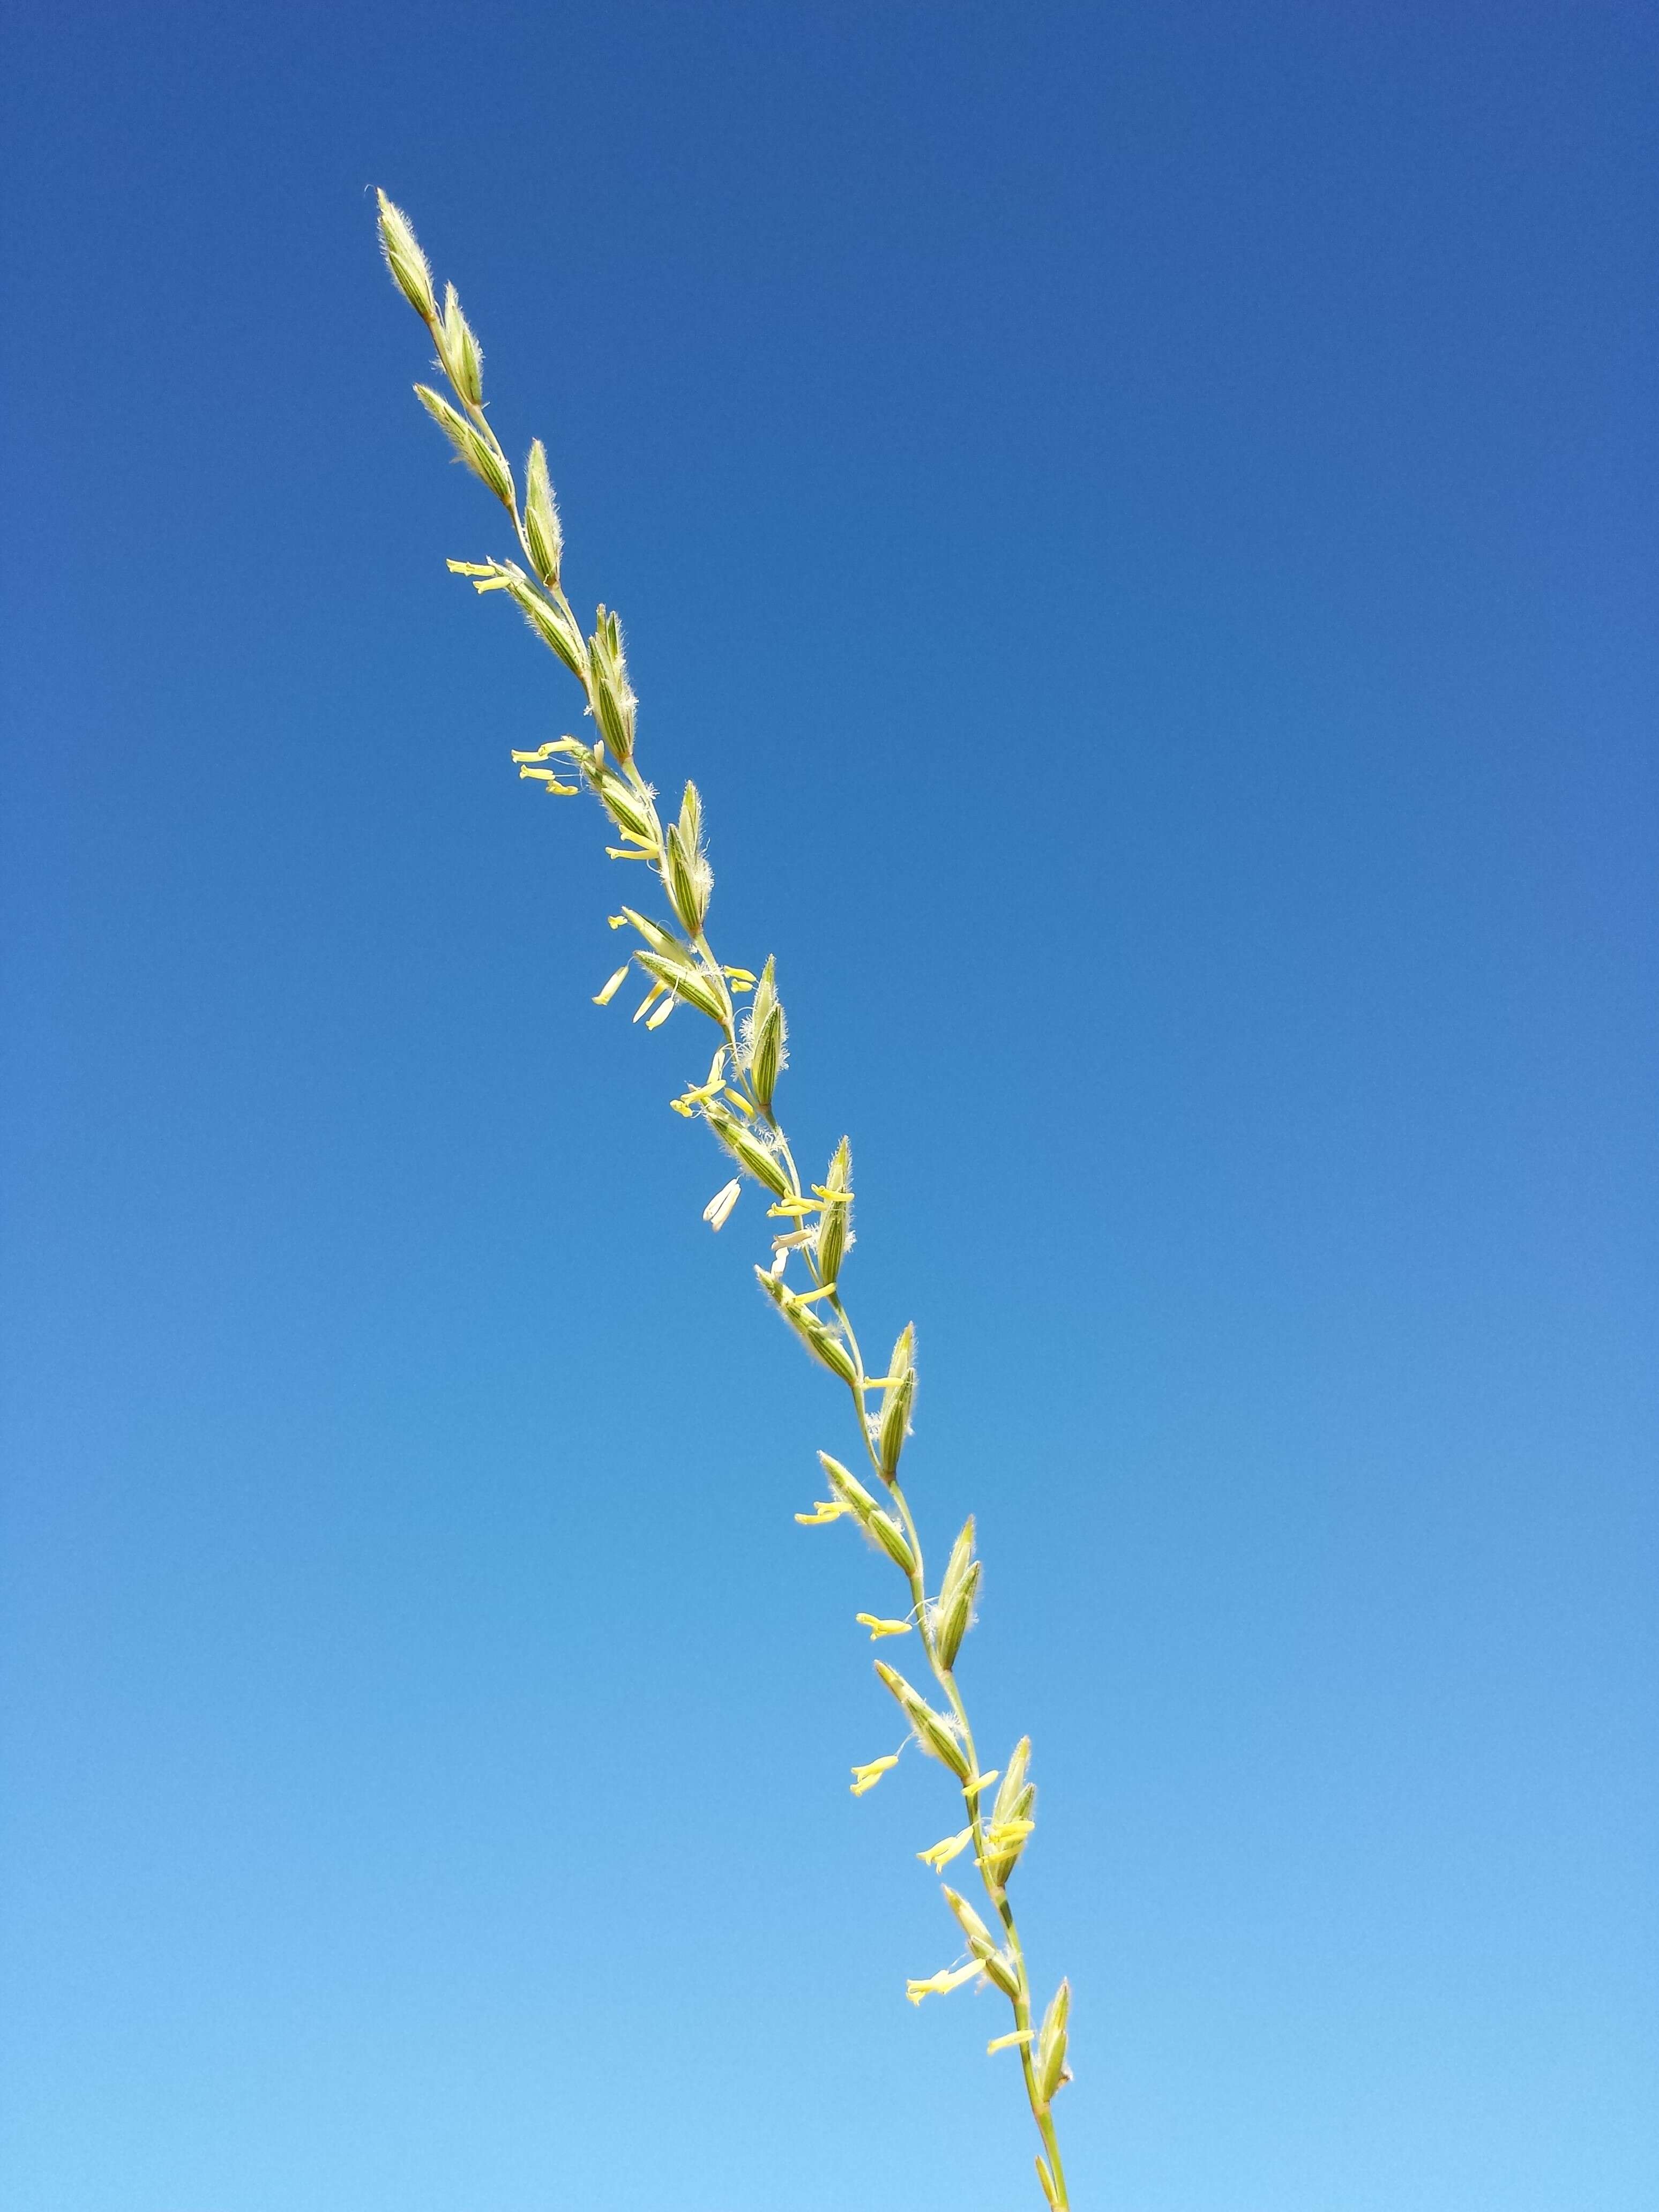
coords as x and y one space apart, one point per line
938 1985
865 1777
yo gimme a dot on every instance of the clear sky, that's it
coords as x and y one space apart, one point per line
1141 519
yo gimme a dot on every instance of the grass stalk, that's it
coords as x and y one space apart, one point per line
737 1102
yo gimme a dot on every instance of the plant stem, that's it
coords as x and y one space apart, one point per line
693 952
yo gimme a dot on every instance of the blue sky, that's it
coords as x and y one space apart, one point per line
1141 522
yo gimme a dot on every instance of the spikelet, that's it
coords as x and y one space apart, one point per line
543 534
836 1222
1051 2071
880 1527
936 1732
685 868
404 258
459 352
954 1607
609 693
893 1421
764 1032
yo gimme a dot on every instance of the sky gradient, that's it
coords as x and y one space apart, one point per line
1141 521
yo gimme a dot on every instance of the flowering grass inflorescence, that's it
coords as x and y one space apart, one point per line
736 1102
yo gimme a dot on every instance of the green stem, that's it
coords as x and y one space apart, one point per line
995 1892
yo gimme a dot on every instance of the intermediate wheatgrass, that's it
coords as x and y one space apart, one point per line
735 1102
